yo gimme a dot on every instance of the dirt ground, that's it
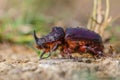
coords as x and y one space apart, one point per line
22 63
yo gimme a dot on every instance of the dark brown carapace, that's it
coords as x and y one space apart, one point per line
70 41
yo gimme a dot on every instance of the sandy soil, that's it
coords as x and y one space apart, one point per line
22 63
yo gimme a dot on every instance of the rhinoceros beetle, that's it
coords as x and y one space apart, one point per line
70 41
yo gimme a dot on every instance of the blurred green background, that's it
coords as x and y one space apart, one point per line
18 18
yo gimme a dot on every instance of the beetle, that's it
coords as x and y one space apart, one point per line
69 41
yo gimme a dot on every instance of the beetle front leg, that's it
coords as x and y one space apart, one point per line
41 56
54 48
49 54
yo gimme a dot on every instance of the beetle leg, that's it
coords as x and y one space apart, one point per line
90 49
68 53
97 53
100 53
41 56
53 49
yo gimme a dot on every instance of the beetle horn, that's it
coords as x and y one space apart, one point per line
35 37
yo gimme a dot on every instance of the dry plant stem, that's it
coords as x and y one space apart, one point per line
91 23
94 14
99 20
116 18
107 10
99 17
106 18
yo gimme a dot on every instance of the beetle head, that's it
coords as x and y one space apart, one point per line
39 41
